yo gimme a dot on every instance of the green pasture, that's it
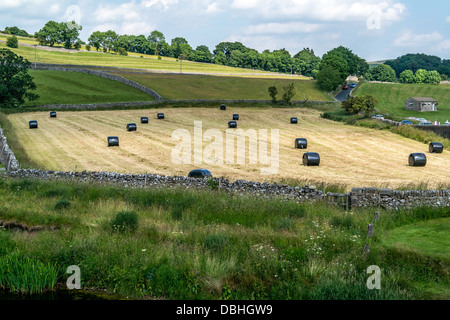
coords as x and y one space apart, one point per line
59 87
178 86
392 98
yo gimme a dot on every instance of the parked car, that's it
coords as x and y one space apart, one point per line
423 123
345 88
406 122
199 173
353 85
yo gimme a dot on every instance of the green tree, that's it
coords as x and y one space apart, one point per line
273 91
202 54
12 42
329 78
382 72
306 63
365 104
407 76
15 82
50 34
420 76
16 31
433 77
289 93
157 39
96 39
69 35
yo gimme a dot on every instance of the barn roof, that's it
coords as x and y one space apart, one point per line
424 99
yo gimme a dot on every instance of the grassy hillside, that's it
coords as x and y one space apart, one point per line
58 87
177 86
182 245
132 61
350 156
392 97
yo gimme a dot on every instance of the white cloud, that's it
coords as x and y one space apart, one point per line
323 10
213 8
411 39
126 11
127 18
164 3
9 4
282 28
448 19
443 45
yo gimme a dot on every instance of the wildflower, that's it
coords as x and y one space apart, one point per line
143 250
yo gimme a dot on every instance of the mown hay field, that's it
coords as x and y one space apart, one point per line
350 156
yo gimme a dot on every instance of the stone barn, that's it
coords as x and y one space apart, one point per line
421 104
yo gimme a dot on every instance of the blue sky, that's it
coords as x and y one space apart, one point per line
372 29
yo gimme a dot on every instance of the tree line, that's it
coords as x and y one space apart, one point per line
330 71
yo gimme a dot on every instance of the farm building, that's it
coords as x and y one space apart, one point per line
421 104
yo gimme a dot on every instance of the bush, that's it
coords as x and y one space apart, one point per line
125 221
12 42
273 91
289 93
62 204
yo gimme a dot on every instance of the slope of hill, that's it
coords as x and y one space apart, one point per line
58 87
392 98
133 61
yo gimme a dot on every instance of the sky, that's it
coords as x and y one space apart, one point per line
372 29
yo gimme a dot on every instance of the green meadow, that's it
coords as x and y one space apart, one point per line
179 244
392 98
179 86
59 87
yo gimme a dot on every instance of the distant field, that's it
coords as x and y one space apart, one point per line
350 156
59 87
392 98
133 61
177 86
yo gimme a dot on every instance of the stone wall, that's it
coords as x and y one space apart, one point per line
357 198
7 157
395 199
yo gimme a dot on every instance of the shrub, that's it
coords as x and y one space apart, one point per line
289 92
12 42
125 221
62 204
273 91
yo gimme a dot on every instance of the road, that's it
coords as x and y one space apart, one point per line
342 95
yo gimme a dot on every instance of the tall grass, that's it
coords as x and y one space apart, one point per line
212 245
22 274
421 135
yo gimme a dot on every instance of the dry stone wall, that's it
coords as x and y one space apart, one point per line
7 157
358 198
